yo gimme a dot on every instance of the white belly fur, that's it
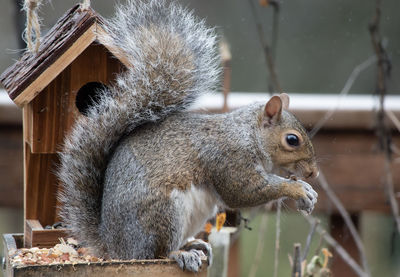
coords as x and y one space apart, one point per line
197 206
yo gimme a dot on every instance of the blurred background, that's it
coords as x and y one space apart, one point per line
315 45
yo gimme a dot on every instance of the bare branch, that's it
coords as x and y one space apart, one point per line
345 90
347 219
267 51
338 248
277 237
383 74
309 239
296 271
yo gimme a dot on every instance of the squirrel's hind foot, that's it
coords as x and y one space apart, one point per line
199 244
188 260
190 256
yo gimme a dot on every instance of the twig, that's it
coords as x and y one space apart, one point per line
267 51
338 248
296 271
393 118
260 245
383 74
347 219
320 242
309 239
277 237
345 90
275 28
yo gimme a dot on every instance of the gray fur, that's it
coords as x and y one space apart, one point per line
140 175
174 60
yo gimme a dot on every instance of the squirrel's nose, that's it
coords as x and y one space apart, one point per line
314 173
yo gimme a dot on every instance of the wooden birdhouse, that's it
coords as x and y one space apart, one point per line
54 87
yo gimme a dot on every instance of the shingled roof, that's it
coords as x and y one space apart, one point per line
68 38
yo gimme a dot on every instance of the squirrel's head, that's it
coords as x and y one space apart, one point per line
286 140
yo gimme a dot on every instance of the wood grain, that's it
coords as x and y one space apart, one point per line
37 236
40 186
51 114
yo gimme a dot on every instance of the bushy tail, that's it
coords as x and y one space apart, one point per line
174 60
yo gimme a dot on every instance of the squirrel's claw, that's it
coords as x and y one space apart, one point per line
201 245
307 204
188 260
191 254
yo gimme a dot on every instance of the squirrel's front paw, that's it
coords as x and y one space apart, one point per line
307 203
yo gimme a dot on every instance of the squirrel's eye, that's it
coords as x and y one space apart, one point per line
292 140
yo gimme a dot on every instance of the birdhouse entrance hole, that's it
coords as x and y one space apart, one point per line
88 95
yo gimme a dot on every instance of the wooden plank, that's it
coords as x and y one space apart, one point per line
36 236
49 114
27 124
48 238
40 186
30 226
142 268
9 247
137 268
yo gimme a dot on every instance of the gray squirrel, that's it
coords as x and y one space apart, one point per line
140 176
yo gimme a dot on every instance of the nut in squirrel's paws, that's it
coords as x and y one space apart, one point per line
307 204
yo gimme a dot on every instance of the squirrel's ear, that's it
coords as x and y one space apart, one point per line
285 100
273 110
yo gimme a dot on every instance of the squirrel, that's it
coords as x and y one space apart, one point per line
140 175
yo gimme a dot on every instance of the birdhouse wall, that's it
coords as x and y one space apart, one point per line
40 186
47 120
49 116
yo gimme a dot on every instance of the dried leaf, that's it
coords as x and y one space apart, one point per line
220 220
208 227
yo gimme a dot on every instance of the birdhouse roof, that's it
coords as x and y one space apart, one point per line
69 37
